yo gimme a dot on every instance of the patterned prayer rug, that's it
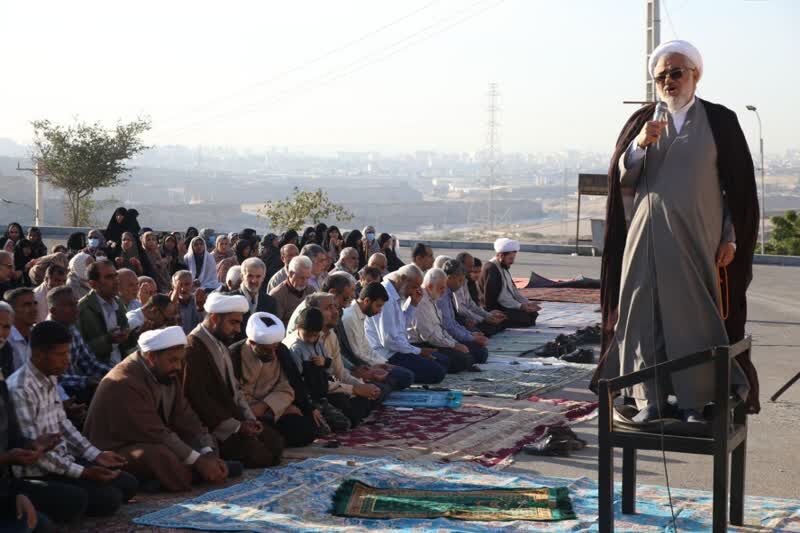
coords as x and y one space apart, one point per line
552 294
356 499
500 380
518 342
298 498
560 315
489 431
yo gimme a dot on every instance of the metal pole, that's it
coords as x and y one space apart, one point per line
763 188
37 215
578 225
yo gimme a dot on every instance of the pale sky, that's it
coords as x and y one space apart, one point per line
384 75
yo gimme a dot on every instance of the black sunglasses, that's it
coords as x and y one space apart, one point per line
674 74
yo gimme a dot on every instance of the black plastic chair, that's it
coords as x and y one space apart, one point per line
728 435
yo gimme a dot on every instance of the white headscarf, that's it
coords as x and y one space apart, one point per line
79 267
208 275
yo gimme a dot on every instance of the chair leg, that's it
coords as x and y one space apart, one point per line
629 480
738 471
605 490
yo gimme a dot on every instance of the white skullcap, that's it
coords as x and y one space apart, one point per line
220 304
683 48
161 339
503 245
260 333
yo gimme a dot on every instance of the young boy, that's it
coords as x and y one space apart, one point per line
313 365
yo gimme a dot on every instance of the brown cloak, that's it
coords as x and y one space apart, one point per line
737 179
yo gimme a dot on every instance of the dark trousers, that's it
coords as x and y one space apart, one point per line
9 523
456 361
356 408
399 378
260 451
425 371
490 329
479 353
297 430
97 499
518 318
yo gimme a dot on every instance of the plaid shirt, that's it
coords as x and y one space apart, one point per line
82 365
39 411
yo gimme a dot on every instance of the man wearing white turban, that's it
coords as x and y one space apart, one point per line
257 365
214 391
682 212
498 288
162 438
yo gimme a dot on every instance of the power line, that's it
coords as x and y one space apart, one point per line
315 60
365 61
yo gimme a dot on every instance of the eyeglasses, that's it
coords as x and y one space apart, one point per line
674 74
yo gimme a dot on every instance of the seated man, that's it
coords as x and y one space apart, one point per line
101 317
346 392
288 252
147 288
348 261
427 329
422 256
85 371
189 300
379 261
474 340
370 302
499 291
366 276
469 312
55 276
387 331
214 392
291 292
387 377
157 432
233 279
159 312
23 302
40 412
128 289
252 288
319 264
257 365
6 353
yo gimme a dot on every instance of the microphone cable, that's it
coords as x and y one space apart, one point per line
651 263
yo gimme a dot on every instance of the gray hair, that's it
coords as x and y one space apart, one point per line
179 275
409 271
54 295
286 247
348 252
316 299
234 275
312 251
453 267
253 263
9 255
440 261
434 276
299 262
5 307
377 255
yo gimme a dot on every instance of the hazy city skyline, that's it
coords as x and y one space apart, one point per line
391 77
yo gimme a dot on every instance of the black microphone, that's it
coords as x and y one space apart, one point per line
661 114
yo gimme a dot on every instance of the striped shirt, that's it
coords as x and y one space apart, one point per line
39 411
82 365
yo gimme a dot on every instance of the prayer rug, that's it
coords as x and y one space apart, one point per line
356 499
561 314
489 431
298 498
421 399
521 341
559 294
500 380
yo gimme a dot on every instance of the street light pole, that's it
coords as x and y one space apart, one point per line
763 190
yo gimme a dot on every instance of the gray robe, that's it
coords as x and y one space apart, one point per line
668 306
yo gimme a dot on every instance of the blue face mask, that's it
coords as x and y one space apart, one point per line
94 243
370 237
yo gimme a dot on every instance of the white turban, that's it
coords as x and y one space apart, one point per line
683 48
260 333
161 339
220 304
503 245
